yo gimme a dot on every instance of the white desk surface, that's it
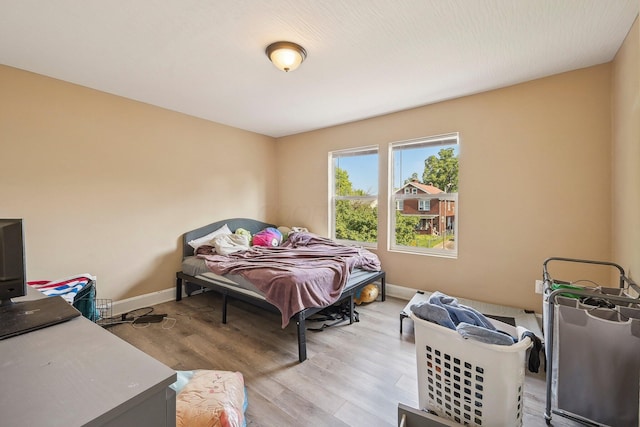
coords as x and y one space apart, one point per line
74 374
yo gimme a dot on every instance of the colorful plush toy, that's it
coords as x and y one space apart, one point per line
267 237
367 294
243 232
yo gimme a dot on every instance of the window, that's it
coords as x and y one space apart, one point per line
427 223
354 195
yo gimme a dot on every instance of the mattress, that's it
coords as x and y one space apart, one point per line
194 266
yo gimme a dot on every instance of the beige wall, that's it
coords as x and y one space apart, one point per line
540 150
626 154
107 185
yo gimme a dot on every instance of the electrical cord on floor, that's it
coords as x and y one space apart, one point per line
140 318
147 317
167 322
132 315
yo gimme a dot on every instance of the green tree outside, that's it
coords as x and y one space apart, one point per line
406 229
441 171
355 220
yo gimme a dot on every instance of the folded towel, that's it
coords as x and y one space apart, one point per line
67 287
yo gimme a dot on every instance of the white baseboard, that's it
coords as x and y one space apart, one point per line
400 292
141 301
153 298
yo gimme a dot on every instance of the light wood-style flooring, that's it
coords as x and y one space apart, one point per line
355 375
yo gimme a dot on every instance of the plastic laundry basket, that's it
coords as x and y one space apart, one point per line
467 381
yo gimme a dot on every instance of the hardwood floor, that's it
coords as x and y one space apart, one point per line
355 375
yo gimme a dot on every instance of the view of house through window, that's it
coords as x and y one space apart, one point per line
423 208
424 193
354 195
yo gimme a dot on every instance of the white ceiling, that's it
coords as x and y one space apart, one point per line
365 57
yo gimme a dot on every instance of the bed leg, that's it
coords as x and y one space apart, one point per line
224 308
178 288
352 309
302 339
383 288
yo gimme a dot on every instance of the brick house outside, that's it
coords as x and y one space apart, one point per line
435 215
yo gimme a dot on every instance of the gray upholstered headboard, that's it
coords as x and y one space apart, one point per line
251 225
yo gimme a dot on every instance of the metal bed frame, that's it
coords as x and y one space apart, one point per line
197 282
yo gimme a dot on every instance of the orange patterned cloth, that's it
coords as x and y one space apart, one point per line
211 399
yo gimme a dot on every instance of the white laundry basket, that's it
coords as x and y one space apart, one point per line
467 381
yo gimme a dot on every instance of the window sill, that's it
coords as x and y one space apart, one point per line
408 251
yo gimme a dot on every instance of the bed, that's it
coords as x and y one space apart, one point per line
196 274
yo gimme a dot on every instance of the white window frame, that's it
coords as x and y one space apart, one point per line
435 141
333 155
422 203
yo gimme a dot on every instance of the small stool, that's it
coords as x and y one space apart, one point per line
406 311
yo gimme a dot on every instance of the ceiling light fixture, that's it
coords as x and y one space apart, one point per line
286 56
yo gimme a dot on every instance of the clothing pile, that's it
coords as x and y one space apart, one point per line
470 323
67 288
445 311
78 290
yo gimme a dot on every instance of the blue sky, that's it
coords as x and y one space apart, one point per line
363 169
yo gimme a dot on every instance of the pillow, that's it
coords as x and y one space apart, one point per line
267 237
226 244
210 398
206 239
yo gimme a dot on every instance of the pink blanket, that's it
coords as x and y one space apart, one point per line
306 271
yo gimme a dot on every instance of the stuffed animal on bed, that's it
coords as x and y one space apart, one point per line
367 294
243 232
268 237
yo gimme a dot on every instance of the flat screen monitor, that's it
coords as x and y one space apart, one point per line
20 317
13 282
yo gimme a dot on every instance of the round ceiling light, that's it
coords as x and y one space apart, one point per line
286 56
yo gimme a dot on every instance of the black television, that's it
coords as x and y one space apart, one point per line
13 282
27 315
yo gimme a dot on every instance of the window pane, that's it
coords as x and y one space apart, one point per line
355 195
424 205
356 175
425 179
356 220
